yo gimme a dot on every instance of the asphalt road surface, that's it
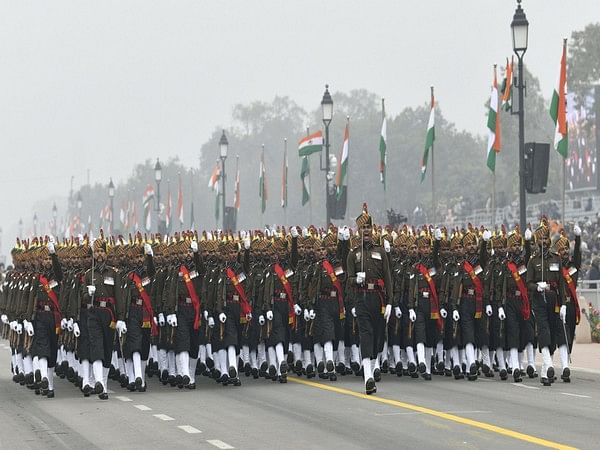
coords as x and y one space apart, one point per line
260 414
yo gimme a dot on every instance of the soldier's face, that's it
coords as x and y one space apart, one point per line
321 252
413 251
564 253
366 232
232 256
459 250
544 243
425 250
515 249
47 263
100 255
471 247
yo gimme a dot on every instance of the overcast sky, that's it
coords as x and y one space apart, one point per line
102 85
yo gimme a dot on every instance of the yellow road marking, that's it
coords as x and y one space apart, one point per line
439 414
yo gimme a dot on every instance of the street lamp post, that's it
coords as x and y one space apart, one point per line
223 147
520 31
111 195
54 216
327 109
157 178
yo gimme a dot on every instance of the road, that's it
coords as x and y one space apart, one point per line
305 414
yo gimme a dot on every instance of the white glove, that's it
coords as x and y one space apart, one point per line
304 232
455 316
51 249
4 318
205 315
528 234
294 232
269 315
76 330
360 277
577 230
388 312
542 286
174 320
501 314
487 234
412 315
63 324
155 320
121 327
340 234
437 234
443 313
563 313
346 233
211 322
248 317
194 246
29 329
398 312
243 234
247 243
297 309
261 320
353 311
70 324
488 310
222 317
306 315
386 246
13 325
19 328
311 314
91 290
161 319
148 250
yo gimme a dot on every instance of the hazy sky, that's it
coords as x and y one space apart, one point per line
102 85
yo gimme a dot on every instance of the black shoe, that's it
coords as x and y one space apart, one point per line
272 371
172 380
473 369
310 371
138 382
223 379
103 396
320 367
448 372
422 368
29 378
50 394
355 367
235 381
385 366
332 376
131 387
200 368
566 375
247 369
44 383
290 358
517 376
399 369
37 391
550 374
377 375
392 370
164 377
70 374
191 386
112 372
283 368
87 390
185 380
545 381
486 369
340 368
348 371
141 388
283 379
124 381
530 371
38 376
503 374
98 389
426 376
255 373
440 367
370 387
329 366
412 368
232 371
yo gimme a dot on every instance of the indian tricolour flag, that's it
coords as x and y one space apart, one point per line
506 89
493 125
429 138
148 201
558 108
312 143
341 179
214 177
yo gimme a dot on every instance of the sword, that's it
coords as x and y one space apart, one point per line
567 341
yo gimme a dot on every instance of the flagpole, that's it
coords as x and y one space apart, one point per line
564 188
384 173
493 199
310 217
433 205
191 196
284 181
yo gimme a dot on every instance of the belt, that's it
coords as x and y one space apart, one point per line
233 298
44 308
138 302
187 301
328 295
104 302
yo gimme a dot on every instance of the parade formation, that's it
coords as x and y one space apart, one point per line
324 303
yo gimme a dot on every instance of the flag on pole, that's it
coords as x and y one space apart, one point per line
429 138
558 107
236 201
310 144
305 177
180 203
341 178
262 182
284 174
383 147
148 201
493 125
169 209
217 203
506 88
215 176
134 217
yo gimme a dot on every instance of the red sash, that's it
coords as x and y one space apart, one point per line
478 289
245 307
338 287
193 295
54 299
525 310
434 303
148 317
572 292
288 290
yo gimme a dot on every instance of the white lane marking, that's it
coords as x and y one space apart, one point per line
576 395
189 429
143 407
122 398
219 444
163 417
524 386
